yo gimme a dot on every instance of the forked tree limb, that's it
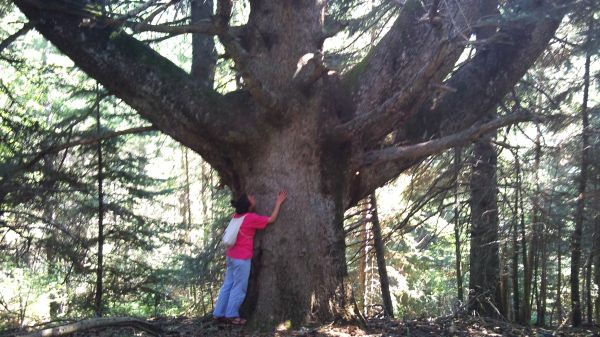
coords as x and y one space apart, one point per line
489 76
378 122
94 323
480 85
397 74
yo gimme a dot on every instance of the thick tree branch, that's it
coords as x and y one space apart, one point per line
177 104
379 121
422 150
24 30
414 55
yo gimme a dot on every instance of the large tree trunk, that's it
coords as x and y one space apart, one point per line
484 295
299 263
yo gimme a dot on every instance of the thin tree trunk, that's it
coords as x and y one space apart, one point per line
100 256
362 264
185 202
588 288
527 270
380 254
541 310
596 250
457 244
515 234
535 289
524 308
504 280
559 276
540 229
580 209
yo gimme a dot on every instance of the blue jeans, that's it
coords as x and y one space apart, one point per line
234 287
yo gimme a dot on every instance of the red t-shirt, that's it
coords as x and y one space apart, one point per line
244 244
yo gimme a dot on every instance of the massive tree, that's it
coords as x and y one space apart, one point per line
329 138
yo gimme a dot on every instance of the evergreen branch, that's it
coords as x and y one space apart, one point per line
203 27
85 141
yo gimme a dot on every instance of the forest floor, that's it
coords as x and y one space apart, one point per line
444 326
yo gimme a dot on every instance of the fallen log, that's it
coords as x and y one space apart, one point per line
94 323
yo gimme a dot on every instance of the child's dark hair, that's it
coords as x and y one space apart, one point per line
242 204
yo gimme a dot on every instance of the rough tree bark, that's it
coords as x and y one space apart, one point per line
296 125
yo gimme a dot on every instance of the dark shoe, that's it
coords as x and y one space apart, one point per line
220 319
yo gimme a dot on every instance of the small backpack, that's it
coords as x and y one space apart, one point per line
231 232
